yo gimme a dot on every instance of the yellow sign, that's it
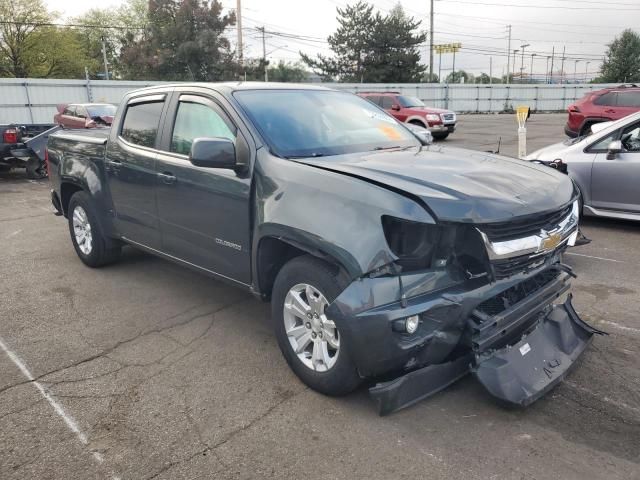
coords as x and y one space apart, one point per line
522 113
447 47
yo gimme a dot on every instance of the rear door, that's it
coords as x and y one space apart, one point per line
615 184
204 213
628 102
131 169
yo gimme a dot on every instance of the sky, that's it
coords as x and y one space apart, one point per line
581 27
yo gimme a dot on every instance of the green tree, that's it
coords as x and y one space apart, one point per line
370 47
622 60
288 72
18 32
460 76
185 41
351 44
57 53
394 49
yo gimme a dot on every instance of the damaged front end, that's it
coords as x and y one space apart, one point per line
491 299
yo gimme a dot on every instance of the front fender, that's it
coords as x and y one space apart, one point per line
329 212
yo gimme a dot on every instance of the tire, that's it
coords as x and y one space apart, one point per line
418 123
338 375
100 249
440 136
36 169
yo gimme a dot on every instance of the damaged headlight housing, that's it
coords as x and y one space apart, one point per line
414 243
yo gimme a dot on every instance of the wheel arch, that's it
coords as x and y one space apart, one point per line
67 189
274 251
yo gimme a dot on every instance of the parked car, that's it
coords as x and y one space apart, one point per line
380 256
84 115
412 110
22 146
605 166
601 106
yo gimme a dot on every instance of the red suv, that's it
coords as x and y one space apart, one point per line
602 106
412 110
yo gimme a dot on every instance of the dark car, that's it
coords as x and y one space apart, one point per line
412 110
84 115
382 257
601 106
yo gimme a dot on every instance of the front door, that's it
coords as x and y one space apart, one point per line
615 183
130 163
203 212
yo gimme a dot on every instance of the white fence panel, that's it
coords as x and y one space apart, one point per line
34 100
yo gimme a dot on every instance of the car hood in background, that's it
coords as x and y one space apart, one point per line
460 185
429 110
552 152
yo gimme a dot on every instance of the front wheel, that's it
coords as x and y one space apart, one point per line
89 241
310 341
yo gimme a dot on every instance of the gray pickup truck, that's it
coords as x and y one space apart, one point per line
384 259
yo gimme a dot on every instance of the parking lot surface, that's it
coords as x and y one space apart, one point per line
145 370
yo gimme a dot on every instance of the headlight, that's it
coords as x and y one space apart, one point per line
432 117
413 243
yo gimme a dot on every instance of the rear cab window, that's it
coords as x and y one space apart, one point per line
142 120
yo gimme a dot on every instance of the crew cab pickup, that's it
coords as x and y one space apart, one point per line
382 257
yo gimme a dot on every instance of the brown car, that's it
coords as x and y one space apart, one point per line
84 115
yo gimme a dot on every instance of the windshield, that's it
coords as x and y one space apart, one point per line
314 123
408 102
101 110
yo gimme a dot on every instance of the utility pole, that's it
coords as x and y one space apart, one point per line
440 66
264 55
104 58
239 25
562 79
575 71
546 71
453 73
553 55
431 44
508 52
514 64
522 63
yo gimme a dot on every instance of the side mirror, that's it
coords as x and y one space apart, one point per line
614 149
213 153
395 107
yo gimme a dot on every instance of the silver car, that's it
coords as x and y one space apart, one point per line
605 166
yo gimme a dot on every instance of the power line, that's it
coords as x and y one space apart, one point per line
636 9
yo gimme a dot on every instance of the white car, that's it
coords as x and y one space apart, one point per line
604 165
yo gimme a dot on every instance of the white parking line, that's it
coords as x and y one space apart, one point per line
68 419
621 327
597 258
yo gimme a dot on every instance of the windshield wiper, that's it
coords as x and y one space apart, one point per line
311 155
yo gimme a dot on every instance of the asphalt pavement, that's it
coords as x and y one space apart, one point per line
146 370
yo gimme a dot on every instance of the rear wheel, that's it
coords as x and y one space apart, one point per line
89 241
310 341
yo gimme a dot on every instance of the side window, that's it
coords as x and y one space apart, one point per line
196 120
81 112
631 138
141 121
629 99
387 103
606 99
70 111
603 144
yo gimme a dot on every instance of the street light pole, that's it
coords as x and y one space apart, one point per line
531 74
575 71
546 71
522 62
586 71
514 64
431 44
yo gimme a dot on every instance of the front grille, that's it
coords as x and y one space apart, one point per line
525 226
517 293
448 117
510 266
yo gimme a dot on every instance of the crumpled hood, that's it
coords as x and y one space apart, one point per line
460 185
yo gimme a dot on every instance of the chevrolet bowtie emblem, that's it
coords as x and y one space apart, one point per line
550 240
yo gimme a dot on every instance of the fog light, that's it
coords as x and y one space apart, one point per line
411 323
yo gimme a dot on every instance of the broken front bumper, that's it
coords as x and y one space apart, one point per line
517 373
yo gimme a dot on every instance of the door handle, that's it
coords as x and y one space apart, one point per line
113 165
167 178
609 110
